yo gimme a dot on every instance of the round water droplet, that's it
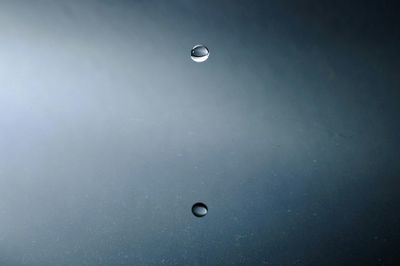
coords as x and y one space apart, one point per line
199 209
199 53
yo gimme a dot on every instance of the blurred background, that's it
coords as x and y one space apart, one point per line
289 132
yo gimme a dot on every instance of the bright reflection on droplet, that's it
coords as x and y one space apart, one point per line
199 209
199 53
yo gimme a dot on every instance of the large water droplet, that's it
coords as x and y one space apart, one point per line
199 53
199 209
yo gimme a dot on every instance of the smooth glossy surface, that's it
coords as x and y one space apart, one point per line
199 209
109 133
199 53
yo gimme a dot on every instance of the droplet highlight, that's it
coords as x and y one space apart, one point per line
199 53
199 209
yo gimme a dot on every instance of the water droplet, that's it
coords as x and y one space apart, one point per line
199 53
199 209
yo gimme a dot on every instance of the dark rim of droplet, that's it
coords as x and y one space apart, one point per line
199 205
199 56
199 46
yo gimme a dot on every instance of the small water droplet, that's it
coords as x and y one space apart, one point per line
199 209
199 53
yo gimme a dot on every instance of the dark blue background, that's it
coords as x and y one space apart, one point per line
289 132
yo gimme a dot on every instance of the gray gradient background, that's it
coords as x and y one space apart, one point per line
109 133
